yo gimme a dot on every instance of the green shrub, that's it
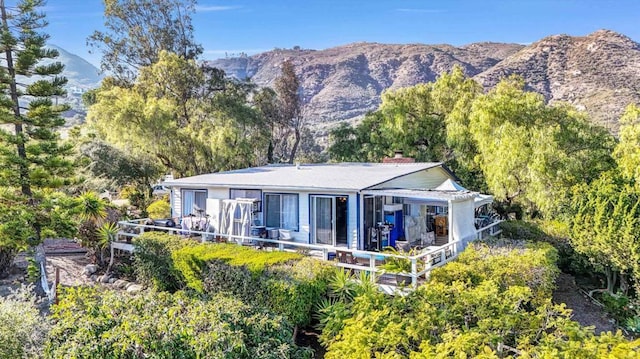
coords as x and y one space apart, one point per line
22 329
490 299
152 261
292 289
287 283
532 266
109 324
159 209
522 230
191 261
555 233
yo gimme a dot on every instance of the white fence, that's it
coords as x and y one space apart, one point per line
421 263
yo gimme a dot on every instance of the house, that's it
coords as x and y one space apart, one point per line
363 206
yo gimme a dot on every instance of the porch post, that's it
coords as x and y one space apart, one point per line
450 222
414 272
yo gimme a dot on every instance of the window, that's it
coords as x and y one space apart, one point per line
235 193
192 200
281 210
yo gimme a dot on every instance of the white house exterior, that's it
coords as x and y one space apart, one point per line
363 206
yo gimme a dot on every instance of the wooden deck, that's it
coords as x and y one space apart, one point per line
356 261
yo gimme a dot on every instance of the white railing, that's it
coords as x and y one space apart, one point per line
421 263
490 230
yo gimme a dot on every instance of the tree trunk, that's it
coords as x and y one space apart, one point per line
23 165
294 149
624 284
611 279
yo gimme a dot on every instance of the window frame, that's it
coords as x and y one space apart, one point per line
281 194
258 204
194 190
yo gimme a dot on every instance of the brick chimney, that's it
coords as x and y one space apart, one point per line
398 158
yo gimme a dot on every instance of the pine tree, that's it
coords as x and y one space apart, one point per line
32 160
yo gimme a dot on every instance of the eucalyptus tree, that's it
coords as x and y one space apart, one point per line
291 122
32 159
136 31
627 151
184 115
532 153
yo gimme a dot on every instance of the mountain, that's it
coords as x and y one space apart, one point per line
78 71
345 82
599 73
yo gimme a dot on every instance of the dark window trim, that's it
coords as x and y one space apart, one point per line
182 190
264 200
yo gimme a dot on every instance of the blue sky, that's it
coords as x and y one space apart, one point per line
253 26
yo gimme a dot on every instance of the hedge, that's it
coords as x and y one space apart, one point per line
491 302
286 283
191 261
108 324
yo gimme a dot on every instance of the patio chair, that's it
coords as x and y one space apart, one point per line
346 257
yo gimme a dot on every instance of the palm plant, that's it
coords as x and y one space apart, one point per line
92 212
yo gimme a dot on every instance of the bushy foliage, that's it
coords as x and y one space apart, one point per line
109 324
159 209
191 261
152 262
22 329
284 282
555 233
605 226
292 289
492 302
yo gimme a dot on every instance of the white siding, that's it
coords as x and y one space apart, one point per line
427 179
303 233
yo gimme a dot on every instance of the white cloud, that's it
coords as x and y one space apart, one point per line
212 8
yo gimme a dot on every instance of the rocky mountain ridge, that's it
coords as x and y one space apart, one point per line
599 73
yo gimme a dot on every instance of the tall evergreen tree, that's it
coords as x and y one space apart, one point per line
287 86
138 30
32 160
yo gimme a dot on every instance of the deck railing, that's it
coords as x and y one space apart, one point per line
421 263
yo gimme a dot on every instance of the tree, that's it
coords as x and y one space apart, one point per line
605 226
429 122
138 30
627 151
532 153
184 115
116 168
287 87
32 158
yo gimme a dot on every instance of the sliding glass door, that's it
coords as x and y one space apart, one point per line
323 220
329 220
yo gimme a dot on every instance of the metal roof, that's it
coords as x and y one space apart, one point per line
343 176
431 196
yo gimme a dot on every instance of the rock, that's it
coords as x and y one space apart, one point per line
94 277
134 288
598 72
112 280
104 279
90 269
120 284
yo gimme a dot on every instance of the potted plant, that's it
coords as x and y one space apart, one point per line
400 266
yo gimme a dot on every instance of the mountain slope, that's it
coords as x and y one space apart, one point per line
599 73
78 71
345 82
